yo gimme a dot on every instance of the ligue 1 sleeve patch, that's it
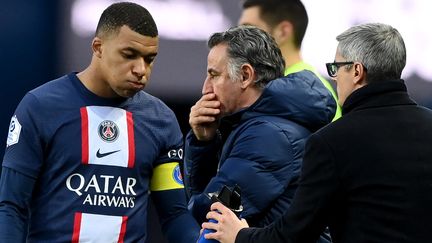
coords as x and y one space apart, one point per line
14 132
166 177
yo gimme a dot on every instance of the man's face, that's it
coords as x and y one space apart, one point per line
227 91
126 62
251 16
344 80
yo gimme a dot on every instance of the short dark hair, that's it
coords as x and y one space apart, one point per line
248 44
275 11
135 16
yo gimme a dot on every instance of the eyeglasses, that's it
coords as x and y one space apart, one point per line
332 67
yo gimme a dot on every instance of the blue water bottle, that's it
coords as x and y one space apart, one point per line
201 239
230 199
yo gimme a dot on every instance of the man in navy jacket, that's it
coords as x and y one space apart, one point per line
248 130
368 174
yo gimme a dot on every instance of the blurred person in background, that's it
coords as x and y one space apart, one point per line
85 152
250 126
286 21
368 174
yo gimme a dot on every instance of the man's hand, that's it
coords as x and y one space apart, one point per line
228 224
203 117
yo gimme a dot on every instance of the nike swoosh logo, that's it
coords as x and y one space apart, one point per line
101 155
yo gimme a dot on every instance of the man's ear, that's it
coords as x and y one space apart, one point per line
284 31
97 46
247 75
359 74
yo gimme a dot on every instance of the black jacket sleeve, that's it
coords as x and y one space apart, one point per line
310 211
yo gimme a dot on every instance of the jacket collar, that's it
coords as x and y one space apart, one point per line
229 122
379 94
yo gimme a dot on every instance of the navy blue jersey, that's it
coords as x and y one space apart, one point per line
95 161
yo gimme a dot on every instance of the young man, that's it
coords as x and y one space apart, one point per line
84 151
286 21
368 174
249 127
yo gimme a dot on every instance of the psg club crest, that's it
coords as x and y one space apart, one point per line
108 131
177 175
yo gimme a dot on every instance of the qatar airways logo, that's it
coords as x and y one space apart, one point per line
103 190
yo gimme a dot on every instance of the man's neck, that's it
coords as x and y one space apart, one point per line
290 53
86 77
91 79
249 98
291 57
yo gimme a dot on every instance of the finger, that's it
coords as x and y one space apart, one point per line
208 96
209 103
201 119
213 235
208 100
199 109
217 206
207 112
209 225
203 116
214 215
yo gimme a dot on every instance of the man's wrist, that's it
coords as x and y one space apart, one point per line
197 142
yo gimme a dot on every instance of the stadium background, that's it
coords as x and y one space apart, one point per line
42 40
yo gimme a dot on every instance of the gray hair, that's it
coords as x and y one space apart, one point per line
379 47
248 44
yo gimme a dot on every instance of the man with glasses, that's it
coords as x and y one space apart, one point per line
332 67
367 175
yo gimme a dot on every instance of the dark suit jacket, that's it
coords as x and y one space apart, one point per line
367 175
